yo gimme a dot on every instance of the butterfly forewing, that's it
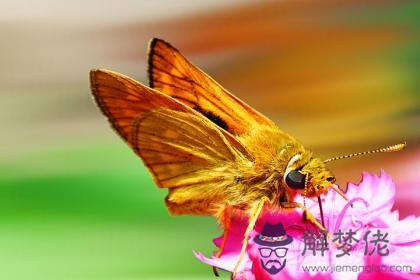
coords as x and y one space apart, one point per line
172 74
122 100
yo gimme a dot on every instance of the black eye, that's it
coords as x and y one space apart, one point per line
331 179
295 179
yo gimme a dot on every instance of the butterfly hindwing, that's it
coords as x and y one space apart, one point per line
189 155
180 148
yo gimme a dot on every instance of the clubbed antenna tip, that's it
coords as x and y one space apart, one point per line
389 149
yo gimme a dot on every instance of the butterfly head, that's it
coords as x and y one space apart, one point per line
308 176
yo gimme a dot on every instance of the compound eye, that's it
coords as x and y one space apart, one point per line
331 179
295 179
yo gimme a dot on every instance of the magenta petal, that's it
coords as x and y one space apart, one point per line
372 200
227 262
245 275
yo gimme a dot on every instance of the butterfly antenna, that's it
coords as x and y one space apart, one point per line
389 149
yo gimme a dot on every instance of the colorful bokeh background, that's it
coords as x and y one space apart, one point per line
76 203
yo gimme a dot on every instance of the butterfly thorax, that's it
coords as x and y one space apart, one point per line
271 149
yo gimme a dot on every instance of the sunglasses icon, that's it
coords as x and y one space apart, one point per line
266 252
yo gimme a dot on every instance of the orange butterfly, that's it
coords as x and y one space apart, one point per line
213 152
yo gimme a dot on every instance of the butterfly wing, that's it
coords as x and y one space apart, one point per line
172 74
183 150
180 148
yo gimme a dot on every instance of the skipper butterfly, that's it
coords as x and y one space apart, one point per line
213 152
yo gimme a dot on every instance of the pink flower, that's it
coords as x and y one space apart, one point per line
375 244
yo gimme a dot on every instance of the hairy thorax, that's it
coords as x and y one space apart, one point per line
271 150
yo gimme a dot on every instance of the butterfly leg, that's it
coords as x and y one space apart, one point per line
226 224
307 216
252 221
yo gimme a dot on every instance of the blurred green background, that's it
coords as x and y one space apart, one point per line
76 203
